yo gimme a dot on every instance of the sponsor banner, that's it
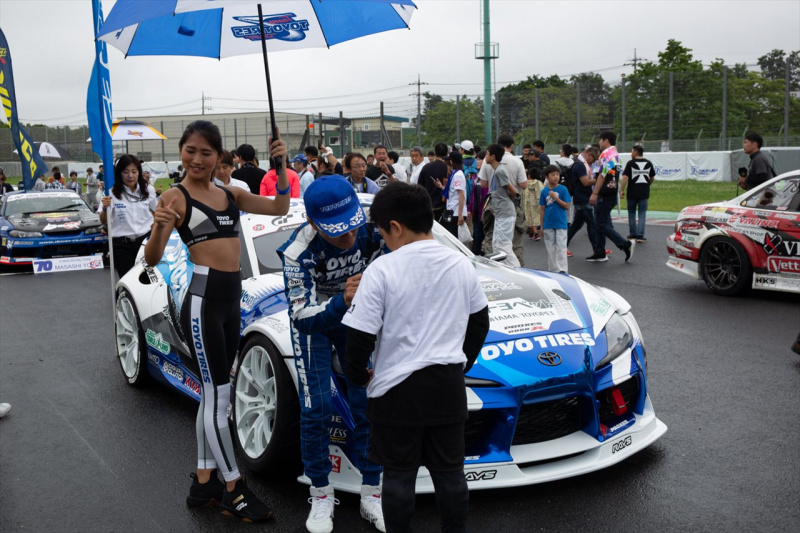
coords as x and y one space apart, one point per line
708 166
703 166
786 265
64 264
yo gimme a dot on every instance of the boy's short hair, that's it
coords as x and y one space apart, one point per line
609 136
497 151
551 168
409 205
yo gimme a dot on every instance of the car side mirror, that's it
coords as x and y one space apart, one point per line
498 256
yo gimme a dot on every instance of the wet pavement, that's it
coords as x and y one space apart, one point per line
83 451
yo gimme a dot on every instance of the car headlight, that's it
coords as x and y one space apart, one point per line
17 233
618 339
477 382
91 231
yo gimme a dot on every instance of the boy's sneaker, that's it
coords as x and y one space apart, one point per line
320 519
597 258
371 509
205 494
641 239
629 250
569 254
245 505
5 408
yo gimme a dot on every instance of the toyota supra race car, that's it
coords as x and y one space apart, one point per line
47 224
752 241
559 389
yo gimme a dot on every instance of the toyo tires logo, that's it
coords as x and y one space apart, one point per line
282 27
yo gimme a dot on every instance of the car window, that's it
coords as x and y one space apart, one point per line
782 195
46 203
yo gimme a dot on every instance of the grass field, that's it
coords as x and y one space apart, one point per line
664 195
675 195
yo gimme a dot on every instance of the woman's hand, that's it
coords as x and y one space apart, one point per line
277 148
106 201
165 213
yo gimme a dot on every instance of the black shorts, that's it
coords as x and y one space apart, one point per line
438 448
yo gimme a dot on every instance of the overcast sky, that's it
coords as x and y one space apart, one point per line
52 48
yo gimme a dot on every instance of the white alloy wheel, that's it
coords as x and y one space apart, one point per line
256 401
129 337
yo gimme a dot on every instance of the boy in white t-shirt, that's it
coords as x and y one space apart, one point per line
422 309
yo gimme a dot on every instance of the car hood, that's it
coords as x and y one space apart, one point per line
54 222
534 315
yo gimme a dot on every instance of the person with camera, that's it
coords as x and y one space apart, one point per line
759 169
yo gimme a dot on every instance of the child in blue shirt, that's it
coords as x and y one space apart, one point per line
554 204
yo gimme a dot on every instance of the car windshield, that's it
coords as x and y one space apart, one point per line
265 245
269 261
779 196
43 203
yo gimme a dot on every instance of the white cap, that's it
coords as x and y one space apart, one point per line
467 145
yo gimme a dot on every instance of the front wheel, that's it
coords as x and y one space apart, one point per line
725 267
130 342
266 411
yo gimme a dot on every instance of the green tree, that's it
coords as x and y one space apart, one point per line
439 121
773 67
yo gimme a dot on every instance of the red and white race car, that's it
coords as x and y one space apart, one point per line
752 241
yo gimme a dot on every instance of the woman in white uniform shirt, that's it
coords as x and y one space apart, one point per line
128 211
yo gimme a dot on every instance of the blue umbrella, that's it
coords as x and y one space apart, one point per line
224 28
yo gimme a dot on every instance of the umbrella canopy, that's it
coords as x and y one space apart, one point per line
133 130
51 151
227 28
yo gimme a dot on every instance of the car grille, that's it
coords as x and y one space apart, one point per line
63 233
630 393
543 421
476 430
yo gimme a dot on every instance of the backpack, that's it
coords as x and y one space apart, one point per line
565 178
470 173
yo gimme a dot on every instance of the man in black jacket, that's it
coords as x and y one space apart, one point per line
759 170
431 173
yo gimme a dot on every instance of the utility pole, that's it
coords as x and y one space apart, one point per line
204 106
419 85
634 61
487 51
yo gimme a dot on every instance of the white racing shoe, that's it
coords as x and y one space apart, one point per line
4 409
320 519
371 509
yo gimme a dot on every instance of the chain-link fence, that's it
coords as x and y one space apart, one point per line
674 111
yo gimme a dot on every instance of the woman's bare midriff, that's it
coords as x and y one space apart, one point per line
219 254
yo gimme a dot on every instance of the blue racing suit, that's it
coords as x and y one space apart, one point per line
315 274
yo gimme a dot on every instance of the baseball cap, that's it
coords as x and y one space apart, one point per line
299 157
333 206
455 157
467 145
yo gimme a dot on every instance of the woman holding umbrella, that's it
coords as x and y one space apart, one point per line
207 219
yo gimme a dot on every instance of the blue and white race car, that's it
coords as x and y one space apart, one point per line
559 389
48 224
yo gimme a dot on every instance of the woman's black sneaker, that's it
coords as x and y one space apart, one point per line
245 505
205 494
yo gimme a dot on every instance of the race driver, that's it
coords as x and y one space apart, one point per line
322 265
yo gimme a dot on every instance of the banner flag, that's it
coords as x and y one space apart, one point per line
33 165
98 103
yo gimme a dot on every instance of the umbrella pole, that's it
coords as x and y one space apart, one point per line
278 160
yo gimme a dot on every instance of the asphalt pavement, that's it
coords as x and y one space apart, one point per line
83 451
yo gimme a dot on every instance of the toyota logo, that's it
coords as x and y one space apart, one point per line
549 358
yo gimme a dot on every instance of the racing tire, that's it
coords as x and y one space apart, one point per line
130 341
725 267
265 410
